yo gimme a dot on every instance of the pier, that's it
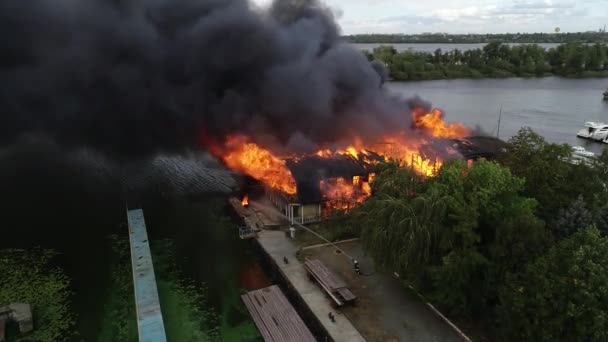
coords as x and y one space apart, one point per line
278 248
150 325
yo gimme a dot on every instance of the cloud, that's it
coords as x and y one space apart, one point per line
464 16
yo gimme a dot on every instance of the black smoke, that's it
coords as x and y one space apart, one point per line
143 77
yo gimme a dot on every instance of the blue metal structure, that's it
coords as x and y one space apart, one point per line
149 316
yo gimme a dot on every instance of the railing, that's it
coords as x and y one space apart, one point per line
246 232
307 219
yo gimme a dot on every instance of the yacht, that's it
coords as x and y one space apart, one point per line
581 155
597 131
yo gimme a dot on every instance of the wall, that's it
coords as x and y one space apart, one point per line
311 210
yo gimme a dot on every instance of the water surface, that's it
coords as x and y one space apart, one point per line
554 107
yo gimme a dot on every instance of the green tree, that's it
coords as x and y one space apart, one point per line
561 296
368 55
455 235
550 179
573 218
384 53
399 233
489 230
396 181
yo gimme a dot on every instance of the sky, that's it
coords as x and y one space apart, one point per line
467 16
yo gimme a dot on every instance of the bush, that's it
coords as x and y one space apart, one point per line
29 277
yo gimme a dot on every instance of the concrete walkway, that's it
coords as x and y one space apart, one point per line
277 245
386 311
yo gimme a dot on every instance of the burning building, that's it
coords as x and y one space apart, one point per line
307 187
323 183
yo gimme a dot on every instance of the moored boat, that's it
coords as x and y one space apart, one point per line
597 131
581 156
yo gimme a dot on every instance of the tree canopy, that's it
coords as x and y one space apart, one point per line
517 244
562 295
495 60
554 182
457 237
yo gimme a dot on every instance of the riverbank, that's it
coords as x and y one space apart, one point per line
495 60
513 38
472 75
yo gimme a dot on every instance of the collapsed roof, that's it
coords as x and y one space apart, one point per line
470 148
309 171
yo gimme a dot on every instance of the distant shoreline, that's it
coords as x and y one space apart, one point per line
493 60
598 76
444 38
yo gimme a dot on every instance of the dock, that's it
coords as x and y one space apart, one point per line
274 316
333 285
278 247
150 325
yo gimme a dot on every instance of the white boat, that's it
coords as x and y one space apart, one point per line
581 155
597 131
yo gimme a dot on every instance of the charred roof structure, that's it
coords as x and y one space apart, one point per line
312 172
470 148
309 171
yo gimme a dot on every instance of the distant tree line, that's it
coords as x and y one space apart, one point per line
580 37
495 60
518 246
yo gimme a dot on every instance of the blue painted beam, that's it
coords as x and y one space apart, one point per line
149 316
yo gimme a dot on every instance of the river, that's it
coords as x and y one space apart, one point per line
430 48
554 107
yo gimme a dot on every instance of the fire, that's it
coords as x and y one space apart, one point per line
239 153
434 124
341 194
245 200
259 163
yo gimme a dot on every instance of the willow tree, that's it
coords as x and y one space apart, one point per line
400 233
456 235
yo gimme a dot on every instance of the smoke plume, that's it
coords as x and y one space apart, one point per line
141 77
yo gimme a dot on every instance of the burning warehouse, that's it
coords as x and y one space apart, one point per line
323 184
308 188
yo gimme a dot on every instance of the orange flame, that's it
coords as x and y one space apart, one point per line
341 194
433 123
239 153
258 163
245 200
